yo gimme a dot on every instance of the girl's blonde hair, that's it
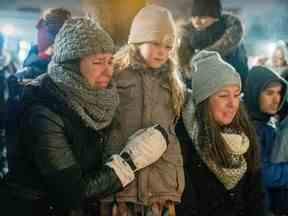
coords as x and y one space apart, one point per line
130 55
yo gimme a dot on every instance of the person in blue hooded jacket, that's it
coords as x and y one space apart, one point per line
264 95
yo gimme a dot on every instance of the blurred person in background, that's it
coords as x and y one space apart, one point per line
6 68
279 60
34 65
40 55
279 64
280 55
210 29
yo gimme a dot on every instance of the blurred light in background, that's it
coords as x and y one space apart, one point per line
8 29
24 48
270 47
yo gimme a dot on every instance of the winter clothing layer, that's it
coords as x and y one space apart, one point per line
209 64
71 43
211 8
58 157
98 113
153 23
224 36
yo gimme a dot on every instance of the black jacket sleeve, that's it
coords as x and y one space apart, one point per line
65 182
188 205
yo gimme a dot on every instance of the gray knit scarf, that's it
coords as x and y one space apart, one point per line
228 176
95 107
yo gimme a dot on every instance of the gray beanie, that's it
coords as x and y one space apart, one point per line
211 73
80 37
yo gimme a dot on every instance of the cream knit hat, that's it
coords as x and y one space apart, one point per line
153 23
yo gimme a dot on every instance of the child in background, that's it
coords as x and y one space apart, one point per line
151 92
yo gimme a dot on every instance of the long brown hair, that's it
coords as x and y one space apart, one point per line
129 55
210 138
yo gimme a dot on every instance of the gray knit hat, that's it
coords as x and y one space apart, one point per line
211 73
153 23
80 37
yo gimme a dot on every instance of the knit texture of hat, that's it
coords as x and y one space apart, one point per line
211 8
81 37
153 23
211 73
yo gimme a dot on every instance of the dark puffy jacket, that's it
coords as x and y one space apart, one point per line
224 37
58 157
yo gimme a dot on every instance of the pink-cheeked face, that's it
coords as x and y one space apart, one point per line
224 104
155 54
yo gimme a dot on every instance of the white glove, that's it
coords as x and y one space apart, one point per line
122 169
143 148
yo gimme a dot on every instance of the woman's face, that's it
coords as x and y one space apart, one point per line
202 22
224 104
278 58
97 69
155 54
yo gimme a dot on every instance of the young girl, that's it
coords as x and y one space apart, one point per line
220 152
150 92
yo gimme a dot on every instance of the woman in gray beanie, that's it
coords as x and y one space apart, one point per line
58 163
219 148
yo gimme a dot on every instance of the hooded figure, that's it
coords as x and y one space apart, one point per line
259 78
210 29
264 96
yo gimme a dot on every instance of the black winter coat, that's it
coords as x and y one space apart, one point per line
204 195
58 157
224 37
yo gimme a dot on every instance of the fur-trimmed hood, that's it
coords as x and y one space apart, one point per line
225 40
224 36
